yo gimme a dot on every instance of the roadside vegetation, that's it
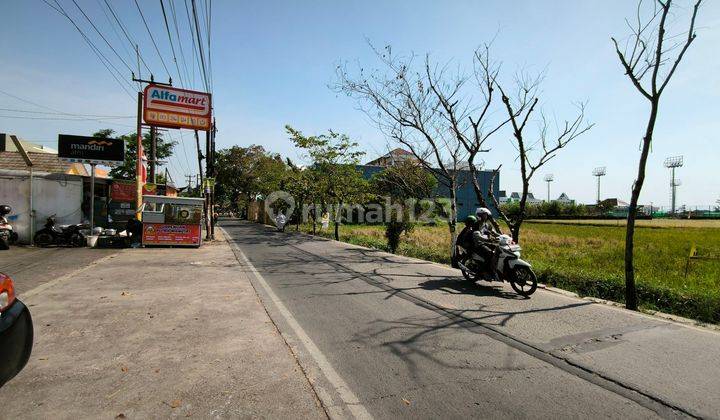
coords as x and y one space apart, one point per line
588 260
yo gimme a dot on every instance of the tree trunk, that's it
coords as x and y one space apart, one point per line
631 301
452 225
338 216
479 193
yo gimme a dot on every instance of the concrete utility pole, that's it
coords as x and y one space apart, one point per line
138 163
153 155
29 164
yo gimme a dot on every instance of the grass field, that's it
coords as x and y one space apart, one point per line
653 223
588 259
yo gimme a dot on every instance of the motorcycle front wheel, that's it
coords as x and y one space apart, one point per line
524 281
77 240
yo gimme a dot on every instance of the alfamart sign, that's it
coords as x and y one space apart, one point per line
171 107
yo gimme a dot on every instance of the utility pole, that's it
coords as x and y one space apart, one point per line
153 155
599 172
138 164
207 188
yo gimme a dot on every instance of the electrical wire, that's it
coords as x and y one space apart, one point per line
104 60
122 27
172 47
152 38
200 45
101 35
180 44
27 111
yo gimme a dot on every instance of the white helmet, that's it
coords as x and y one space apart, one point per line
483 211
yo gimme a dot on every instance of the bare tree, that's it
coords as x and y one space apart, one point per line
405 107
468 120
648 49
533 152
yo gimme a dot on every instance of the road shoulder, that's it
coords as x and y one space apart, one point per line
158 333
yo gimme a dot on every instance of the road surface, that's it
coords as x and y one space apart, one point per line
385 336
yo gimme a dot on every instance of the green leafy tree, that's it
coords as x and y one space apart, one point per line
405 185
128 168
334 157
244 173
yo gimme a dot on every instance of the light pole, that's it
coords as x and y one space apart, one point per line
599 172
549 178
673 162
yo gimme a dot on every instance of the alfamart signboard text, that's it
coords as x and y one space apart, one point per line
171 107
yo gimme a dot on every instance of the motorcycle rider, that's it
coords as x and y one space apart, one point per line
465 238
484 236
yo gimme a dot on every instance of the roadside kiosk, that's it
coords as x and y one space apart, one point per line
172 221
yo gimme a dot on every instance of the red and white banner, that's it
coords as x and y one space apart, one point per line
167 106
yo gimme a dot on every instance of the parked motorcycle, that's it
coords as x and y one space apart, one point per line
7 234
66 235
504 265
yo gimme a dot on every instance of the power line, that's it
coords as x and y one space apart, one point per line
192 35
117 35
177 33
122 27
101 35
107 63
172 47
200 45
152 38
27 111
23 117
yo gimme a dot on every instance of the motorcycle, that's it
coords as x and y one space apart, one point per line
52 234
7 235
504 265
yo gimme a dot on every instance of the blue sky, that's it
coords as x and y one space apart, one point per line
272 62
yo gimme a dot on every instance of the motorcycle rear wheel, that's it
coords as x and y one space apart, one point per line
4 243
43 239
523 281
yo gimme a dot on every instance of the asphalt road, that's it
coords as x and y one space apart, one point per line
386 336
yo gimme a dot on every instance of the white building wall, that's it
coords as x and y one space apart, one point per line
52 194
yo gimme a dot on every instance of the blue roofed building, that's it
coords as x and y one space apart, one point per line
466 198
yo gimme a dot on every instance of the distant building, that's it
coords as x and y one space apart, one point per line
515 198
392 158
564 199
466 199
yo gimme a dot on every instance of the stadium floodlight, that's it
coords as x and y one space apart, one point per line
549 178
673 162
599 172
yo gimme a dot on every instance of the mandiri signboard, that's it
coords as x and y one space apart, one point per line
171 107
93 150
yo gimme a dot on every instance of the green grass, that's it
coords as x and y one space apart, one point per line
589 260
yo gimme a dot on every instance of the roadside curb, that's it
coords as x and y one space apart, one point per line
657 315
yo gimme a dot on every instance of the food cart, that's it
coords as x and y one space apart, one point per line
174 221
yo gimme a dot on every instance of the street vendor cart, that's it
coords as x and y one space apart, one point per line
172 221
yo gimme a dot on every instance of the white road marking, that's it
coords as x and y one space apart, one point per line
346 395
